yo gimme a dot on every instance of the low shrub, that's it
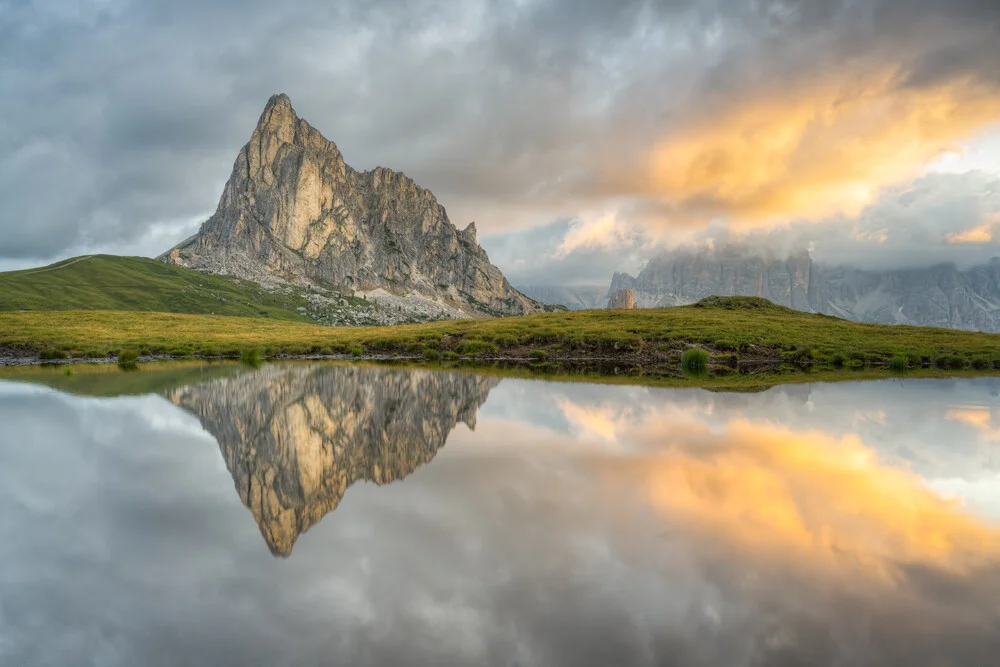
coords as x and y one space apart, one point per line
431 355
838 360
127 359
981 364
899 364
47 355
539 355
449 355
252 356
356 350
694 361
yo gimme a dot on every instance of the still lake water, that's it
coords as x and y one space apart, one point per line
334 515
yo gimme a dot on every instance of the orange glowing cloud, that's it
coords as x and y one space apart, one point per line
983 233
817 150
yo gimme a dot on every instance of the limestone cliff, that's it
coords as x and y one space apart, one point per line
940 296
293 210
681 278
296 437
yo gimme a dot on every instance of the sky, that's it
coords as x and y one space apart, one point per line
582 136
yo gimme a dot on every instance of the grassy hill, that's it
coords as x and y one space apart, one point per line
732 331
107 282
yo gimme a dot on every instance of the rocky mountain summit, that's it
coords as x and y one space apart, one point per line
295 213
939 296
295 438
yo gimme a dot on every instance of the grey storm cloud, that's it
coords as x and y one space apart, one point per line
119 120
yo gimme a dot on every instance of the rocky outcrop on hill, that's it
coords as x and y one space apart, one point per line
293 211
296 437
940 296
622 299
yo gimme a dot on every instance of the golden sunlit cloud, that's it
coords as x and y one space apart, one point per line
811 152
979 234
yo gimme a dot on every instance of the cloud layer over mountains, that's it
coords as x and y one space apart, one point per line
656 120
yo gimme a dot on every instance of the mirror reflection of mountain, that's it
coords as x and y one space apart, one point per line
295 437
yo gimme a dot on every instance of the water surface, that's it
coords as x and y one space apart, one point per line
324 515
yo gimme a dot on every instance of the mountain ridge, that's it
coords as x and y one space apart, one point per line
293 211
942 295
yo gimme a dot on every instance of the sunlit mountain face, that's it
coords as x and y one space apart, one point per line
854 523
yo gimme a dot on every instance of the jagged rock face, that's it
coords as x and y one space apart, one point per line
682 278
296 437
294 210
622 299
940 296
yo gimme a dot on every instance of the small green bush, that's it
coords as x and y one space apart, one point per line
980 364
127 359
838 360
356 350
46 355
431 355
956 363
449 355
252 356
694 361
540 355
899 364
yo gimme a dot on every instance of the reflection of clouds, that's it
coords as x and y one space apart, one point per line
585 421
802 494
874 417
716 530
979 418
793 493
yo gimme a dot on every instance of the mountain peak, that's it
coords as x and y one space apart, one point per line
279 100
293 211
278 118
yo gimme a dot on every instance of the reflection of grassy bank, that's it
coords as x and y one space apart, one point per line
157 377
110 380
734 333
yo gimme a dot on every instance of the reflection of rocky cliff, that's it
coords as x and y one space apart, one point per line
295 437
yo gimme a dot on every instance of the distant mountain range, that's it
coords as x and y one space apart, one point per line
940 296
294 212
